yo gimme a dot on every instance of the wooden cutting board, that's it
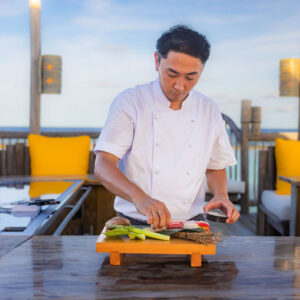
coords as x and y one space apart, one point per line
116 246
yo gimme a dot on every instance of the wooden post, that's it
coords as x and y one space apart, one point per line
255 119
245 121
35 45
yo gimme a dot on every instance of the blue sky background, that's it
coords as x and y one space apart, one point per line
108 45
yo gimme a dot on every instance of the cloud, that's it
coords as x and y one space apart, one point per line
265 43
93 74
108 85
239 68
214 14
152 15
286 108
249 67
98 7
271 95
114 48
11 42
111 16
216 19
99 62
13 8
111 23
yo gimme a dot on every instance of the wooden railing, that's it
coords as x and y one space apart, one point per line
15 160
14 152
253 140
11 137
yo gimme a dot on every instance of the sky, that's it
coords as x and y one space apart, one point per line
108 45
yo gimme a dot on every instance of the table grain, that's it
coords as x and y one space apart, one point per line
9 242
69 267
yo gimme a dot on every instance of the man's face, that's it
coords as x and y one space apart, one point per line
178 74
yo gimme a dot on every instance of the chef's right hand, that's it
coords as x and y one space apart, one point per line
156 211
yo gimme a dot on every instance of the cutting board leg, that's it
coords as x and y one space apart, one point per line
196 260
115 258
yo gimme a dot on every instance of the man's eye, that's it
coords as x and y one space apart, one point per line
189 78
172 76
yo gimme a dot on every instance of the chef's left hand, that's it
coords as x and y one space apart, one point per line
225 205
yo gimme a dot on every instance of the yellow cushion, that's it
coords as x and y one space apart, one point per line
59 155
287 156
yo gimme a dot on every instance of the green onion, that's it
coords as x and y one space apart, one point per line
140 236
149 233
131 235
134 232
120 230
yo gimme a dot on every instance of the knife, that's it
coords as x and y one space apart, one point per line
39 202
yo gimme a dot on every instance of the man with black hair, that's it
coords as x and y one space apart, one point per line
162 139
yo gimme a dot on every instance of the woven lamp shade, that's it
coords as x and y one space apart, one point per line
290 77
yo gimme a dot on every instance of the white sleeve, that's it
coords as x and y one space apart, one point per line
117 133
222 154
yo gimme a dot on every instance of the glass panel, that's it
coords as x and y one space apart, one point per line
15 211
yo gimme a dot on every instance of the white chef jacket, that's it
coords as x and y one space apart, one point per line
163 151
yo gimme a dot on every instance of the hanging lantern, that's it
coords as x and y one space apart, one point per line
289 77
51 74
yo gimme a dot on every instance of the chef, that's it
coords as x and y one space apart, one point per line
162 140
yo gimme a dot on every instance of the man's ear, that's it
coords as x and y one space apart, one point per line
156 60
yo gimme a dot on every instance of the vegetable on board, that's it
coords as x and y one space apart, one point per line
174 224
134 232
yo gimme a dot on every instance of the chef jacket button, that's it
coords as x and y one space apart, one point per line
156 172
190 145
156 144
192 120
187 173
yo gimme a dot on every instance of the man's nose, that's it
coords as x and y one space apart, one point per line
179 85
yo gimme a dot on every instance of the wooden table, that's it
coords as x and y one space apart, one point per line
295 204
69 267
11 242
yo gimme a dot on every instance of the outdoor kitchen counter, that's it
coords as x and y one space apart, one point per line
69 267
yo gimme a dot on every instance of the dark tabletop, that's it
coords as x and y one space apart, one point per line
9 242
68 267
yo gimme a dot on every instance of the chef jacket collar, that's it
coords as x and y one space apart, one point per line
164 103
